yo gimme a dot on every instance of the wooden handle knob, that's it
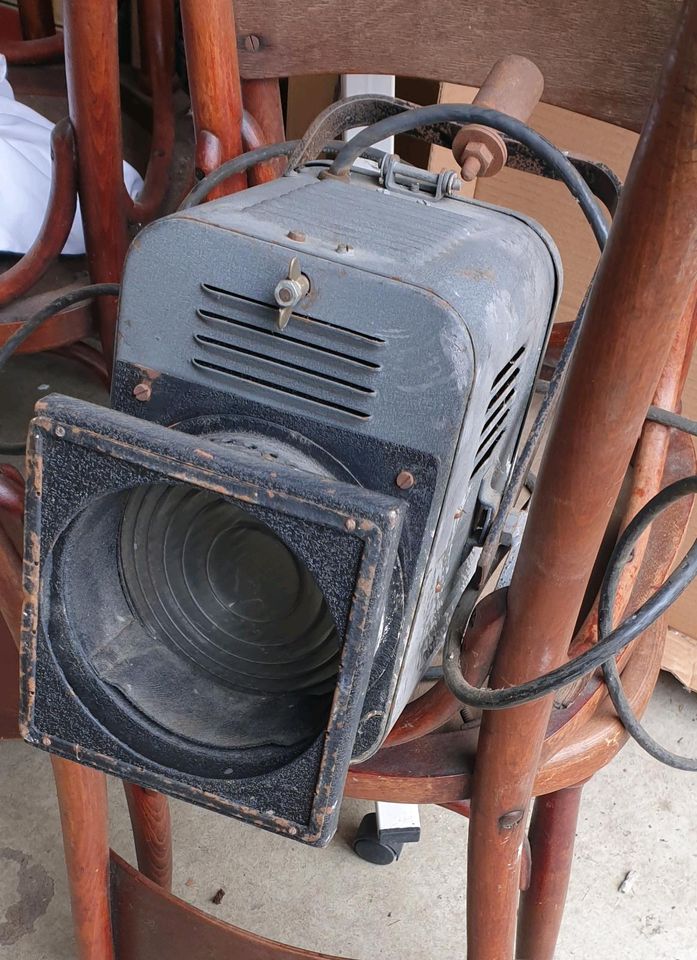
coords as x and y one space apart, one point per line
514 86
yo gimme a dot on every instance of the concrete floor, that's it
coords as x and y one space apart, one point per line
637 815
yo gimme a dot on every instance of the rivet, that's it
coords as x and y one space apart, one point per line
439 587
297 235
252 43
60 431
510 820
142 391
458 514
405 480
350 524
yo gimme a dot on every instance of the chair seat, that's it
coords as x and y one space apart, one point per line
69 326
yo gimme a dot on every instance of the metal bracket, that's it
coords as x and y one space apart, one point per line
398 822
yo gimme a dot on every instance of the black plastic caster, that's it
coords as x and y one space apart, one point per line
368 846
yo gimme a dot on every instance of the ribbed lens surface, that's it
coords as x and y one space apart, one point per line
220 587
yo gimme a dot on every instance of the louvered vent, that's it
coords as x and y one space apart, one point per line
311 360
502 394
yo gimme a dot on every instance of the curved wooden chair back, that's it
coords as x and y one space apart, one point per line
600 59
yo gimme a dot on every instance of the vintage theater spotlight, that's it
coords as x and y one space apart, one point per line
237 575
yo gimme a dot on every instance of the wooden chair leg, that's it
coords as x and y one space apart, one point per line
92 74
82 800
9 693
152 833
621 345
36 17
263 100
552 835
210 39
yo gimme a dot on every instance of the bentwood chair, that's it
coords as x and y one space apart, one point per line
601 60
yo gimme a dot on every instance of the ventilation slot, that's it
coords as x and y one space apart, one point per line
245 377
235 299
310 360
285 338
281 365
503 391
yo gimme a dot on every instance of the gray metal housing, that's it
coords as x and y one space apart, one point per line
421 335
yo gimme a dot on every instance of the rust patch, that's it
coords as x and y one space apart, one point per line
150 374
477 273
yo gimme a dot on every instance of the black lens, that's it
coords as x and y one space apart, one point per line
194 615
221 588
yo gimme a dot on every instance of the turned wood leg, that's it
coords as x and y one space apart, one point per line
210 39
552 834
622 346
152 833
92 74
82 801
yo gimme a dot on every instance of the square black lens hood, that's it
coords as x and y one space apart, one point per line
346 535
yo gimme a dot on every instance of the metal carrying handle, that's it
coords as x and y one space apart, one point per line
513 86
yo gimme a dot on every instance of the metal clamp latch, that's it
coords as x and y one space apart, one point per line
394 173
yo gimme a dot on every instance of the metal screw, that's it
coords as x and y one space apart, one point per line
297 235
252 43
458 514
60 431
350 524
344 248
142 391
510 820
439 587
405 480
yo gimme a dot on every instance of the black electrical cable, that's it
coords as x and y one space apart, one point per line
246 160
611 640
200 191
610 643
31 325
467 113
470 113
668 418
621 555
195 196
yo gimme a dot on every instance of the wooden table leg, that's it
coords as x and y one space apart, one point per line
152 833
82 800
643 289
552 834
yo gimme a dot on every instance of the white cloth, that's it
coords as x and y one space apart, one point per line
25 174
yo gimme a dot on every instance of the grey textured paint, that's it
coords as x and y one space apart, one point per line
427 333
